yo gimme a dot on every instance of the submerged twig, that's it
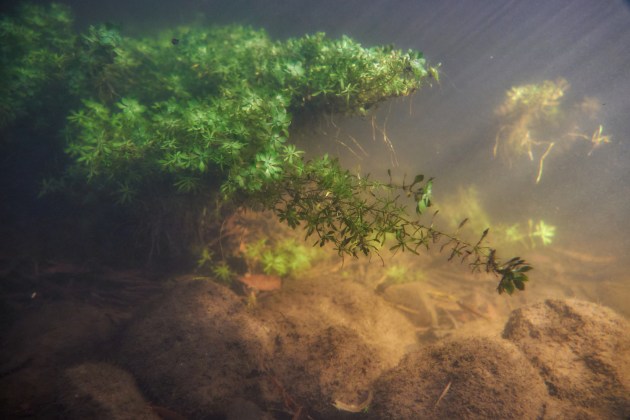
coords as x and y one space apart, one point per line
355 408
471 310
540 165
443 394
386 140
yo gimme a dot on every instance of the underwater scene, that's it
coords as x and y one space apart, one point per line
357 209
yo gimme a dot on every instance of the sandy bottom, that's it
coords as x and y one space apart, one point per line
320 347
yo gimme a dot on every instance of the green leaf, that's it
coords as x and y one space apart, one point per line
506 285
416 180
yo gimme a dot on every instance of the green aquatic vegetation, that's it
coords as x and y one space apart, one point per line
35 51
542 231
398 274
535 99
206 257
534 123
223 272
525 111
465 213
465 204
360 216
513 275
169 125
286 258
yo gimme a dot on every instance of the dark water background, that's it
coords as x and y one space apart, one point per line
448 131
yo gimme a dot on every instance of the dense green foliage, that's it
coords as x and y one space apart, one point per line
216 107
170 124
35 50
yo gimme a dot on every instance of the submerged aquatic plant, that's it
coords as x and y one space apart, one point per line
36 47
526 108
543 231
597 139
466 205
223 272
286 258
533 121
168 129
